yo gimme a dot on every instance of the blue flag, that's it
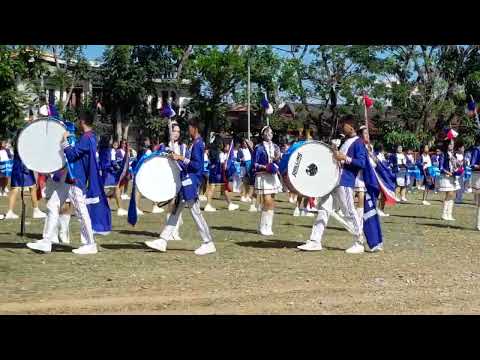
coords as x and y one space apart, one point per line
371 221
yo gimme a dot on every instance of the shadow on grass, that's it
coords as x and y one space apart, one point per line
12 245
31 236
133 246
270 244
412 217
231 228
446 226
138 232
338 228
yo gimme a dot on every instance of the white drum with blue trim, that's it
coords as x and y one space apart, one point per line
39 145
158 178
310 169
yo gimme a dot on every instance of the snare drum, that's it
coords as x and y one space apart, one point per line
310 169
39 145
158 178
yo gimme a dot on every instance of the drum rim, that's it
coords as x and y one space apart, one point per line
43 118
337 183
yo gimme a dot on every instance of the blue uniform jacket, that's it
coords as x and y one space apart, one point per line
357 156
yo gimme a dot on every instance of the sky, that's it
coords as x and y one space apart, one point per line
94 52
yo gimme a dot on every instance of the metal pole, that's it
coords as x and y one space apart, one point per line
248 98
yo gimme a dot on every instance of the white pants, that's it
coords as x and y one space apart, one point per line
58 197
202 226
343 198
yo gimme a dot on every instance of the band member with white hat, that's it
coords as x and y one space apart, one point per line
448 181
191 176
267 181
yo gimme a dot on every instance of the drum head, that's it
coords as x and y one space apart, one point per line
158 179
312 170
39 146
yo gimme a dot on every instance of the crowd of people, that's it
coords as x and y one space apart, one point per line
235 165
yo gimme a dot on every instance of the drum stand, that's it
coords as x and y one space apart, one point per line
22 220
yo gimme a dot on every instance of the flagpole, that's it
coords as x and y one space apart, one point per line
248 96
366 115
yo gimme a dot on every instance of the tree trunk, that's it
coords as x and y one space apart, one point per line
125 129
69 95
118 123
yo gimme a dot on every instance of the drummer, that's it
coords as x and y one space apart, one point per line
83 181
267 181
352 157
191 175
22 177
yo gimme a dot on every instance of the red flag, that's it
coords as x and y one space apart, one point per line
368 101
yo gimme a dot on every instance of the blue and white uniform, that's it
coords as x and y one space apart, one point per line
401 163
266 182
343 196
109 167
448 163
191 175
21 176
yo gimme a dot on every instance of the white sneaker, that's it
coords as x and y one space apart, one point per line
159 244
124 197
377 248
404 199
296 212
86 250
209 208
307 213
38 214
381 213
266 232
310 246
157 210
232 207
205 249
122 212
139 212
11 215
426 203
40 245
469 190
253 208
202 198
355 249
243 199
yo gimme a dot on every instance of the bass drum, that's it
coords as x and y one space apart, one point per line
39 145
310 169
158 178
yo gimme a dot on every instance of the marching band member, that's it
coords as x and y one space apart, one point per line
191 175
82 185
379 154
5 167
400 164
245 158
424 163
206 172
217 178
267 181
120 154
475 164
352 156
460 156
450 169
110 171
22 177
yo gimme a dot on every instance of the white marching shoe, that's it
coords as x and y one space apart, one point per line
307 213
206 248
310 246
404 199
266 222
253 208
40 245
86 250
64 231
232 207
209 208
450 210
377 248
139 212
381 213
356 248
296 212
244 199
159 244
124 197
157 209
11 215
38 214
426 203
122 212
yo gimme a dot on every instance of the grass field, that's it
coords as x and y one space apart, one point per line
428 266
